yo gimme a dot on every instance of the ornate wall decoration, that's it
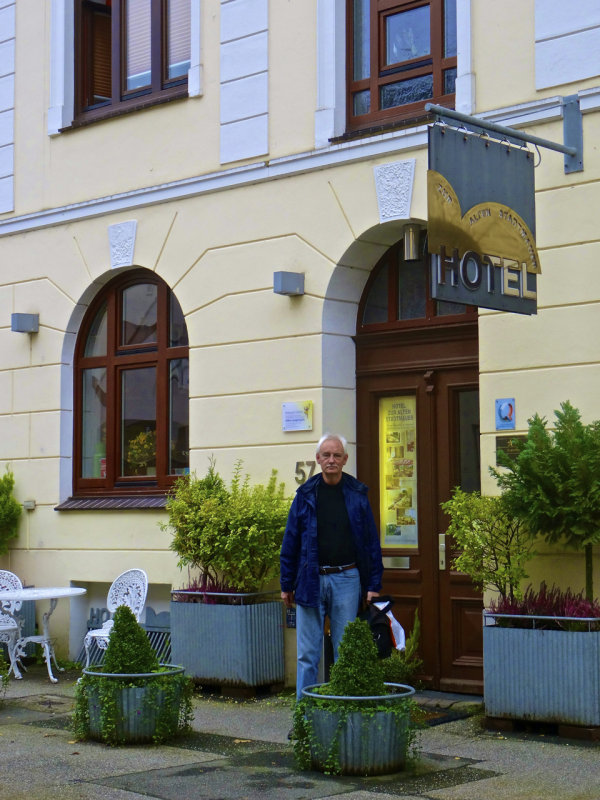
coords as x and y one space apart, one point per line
122 243
394 185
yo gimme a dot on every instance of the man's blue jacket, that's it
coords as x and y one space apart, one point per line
300 553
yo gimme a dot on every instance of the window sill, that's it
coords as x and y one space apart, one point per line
113 503
121 109
386 127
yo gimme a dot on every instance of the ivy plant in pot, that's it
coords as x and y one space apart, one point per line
356 724
133 698
225 627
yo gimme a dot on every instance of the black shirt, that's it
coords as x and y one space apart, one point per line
336 544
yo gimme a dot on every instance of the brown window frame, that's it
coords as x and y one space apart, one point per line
118 358
393 259
434 64
161 88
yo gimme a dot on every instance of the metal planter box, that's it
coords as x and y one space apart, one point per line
370 743
541 675
138 708
229 645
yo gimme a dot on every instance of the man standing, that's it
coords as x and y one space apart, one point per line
330 555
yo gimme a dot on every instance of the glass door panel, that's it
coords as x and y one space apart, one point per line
93 425
179 417
138 325
468 440
407 35
138 421
362 40
95 344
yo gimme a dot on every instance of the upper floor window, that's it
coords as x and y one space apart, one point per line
129 53
131 390
401 55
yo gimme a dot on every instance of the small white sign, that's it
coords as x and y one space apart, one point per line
297 416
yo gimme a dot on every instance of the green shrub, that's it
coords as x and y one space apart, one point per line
129 649
358 671
231 535
10 511
3 676
493 543
553 482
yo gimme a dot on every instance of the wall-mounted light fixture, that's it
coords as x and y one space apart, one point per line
290 283
411 241
25 323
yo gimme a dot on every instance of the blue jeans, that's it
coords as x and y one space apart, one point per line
339 599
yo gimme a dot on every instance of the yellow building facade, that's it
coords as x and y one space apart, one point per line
265 148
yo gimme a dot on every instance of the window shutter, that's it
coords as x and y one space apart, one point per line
138 35
101 57
178 38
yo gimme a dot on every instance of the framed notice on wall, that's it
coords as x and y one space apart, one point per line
398 471
297 416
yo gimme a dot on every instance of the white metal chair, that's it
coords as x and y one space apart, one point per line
10 620
129 589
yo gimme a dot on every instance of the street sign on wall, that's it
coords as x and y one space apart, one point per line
481 221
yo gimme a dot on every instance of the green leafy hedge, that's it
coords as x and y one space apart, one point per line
232 535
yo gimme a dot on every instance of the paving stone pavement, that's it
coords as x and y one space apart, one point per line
239 751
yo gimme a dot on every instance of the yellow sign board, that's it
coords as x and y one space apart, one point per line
398 471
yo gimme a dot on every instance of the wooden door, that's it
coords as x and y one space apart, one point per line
430 375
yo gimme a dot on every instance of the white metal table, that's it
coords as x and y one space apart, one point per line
52 593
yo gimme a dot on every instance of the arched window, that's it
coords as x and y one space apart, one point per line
131 390
398 294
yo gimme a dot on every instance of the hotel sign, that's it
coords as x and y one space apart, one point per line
481 226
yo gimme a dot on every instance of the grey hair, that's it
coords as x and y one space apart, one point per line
338 438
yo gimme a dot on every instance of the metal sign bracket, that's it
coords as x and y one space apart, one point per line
572 131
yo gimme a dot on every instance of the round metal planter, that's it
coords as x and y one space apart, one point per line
138 707
369 743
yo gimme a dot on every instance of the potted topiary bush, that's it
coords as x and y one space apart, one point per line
356 724
132 698
225 627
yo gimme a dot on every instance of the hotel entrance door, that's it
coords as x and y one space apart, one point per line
417 438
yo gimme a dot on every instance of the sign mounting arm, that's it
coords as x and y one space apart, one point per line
572 130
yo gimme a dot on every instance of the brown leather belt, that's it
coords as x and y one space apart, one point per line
331 570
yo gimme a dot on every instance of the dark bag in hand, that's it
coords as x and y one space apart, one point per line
380 625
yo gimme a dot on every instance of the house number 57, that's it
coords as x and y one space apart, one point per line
301 469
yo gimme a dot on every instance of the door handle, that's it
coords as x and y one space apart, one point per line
442 551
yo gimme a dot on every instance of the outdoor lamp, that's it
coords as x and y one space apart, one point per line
411 242
25 323
290 283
